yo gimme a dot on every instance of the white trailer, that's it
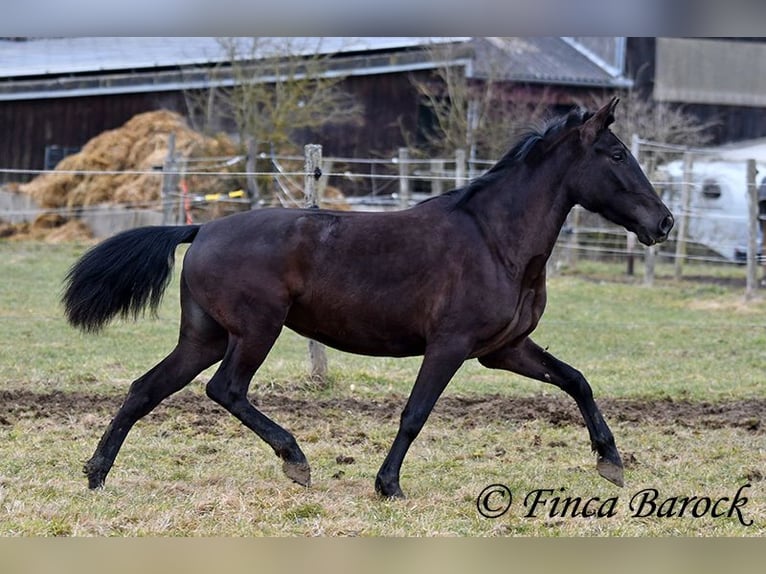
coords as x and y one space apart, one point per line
717 207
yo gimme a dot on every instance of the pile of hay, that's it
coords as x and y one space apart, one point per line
48 227
141 144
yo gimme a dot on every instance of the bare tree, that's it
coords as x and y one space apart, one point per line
659 122
278 88
476 114
274 92
484 114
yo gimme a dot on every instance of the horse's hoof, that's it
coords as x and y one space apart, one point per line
96 476
299 472
397 495
95 483
610 471
390 492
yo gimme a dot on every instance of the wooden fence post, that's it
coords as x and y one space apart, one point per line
437 171
313 171
683 220
650 252
752 236
253 192
404 182
572 244
459 168
169 180
630 242
182 187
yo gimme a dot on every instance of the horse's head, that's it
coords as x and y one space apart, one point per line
608 180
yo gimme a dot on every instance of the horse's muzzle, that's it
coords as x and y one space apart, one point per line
664 228
651 235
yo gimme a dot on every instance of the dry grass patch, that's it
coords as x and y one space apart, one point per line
176 479
680 382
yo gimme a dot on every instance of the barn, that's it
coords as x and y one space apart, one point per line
57 93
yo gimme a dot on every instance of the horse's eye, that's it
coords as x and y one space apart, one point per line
618 155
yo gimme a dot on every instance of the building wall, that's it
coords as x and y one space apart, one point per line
28 126
732 123
391 107
390 104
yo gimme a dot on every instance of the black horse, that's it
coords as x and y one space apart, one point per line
456 277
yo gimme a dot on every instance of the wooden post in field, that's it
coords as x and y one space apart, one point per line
313 171
459 167
649 259
169 180
752 235
404 182
650 251
253 192
437 170
181 202
630 248
574 240
683 220
630 242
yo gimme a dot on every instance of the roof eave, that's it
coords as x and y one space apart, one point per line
201 78
620 82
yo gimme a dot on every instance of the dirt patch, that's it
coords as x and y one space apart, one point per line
733 304
465 412
729 282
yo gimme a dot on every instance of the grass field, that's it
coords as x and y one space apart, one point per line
678 369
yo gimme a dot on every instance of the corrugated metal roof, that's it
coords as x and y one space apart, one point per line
61 67
61 56
545 60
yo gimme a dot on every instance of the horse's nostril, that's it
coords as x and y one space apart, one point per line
666 224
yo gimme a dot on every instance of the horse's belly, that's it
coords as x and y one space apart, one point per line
353 333
517 326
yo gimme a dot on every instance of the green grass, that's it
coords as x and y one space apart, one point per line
690 340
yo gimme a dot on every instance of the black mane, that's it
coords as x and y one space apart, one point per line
528 147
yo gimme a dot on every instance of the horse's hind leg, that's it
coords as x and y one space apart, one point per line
229 386
201 343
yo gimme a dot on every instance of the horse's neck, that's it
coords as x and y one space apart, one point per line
525 214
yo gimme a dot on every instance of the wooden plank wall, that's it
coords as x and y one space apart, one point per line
27 126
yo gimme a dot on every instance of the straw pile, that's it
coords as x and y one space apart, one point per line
47 227
141 144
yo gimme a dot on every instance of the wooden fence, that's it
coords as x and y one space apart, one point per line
438 174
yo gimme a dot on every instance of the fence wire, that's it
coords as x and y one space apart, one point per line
378 187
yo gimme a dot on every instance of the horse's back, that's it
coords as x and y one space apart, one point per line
316 241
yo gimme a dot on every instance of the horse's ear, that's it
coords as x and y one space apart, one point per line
598 122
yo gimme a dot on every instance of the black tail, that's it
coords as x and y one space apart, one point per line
122 275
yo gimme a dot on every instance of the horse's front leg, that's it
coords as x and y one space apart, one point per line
529 360
440 363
